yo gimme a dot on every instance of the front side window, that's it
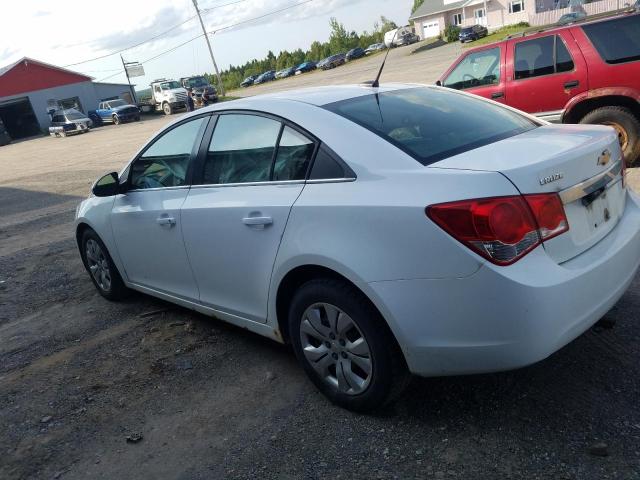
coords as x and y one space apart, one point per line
535 58
617 41
166 162
241 149
476 70
516 6
431 124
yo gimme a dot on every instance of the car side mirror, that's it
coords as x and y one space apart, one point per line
439 83
106 186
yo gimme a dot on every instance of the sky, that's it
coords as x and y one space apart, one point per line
67 33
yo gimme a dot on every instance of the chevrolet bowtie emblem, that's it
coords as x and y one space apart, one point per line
604 158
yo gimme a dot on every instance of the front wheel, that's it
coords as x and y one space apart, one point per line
627 126
103 272
166 108
116 120
344 346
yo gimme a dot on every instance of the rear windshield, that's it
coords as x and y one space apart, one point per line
617 41
432 124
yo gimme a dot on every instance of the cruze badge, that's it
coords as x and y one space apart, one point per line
551 178
604 158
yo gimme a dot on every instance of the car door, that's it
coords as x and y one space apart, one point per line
146 219
480 72
252 172
102 113
544 74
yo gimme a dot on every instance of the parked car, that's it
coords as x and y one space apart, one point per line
355 53
530 223
396 37
376 47
408 38
286 72
69 122
203 92
469 34
333 61
247 82
584 73
114 111
305 67
569 18
265 77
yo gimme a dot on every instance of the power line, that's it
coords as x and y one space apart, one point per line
155 37
213 32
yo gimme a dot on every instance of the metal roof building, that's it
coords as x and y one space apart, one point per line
29 88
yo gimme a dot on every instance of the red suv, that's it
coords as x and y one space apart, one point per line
586 73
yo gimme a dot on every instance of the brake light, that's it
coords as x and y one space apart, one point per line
502 229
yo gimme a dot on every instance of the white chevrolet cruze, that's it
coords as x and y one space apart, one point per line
379 231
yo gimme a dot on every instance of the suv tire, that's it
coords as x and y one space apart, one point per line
626 124
98 258
360 337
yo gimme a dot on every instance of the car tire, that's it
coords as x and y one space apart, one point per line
336 357
137 118
626 124
100 266
166 108
116 119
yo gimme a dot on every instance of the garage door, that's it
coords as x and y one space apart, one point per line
18 118
431 29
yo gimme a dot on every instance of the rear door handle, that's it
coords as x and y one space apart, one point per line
166 221
495 95
259 222
572 84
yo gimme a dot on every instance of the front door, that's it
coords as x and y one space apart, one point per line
234 220
544 74
146 219
480 16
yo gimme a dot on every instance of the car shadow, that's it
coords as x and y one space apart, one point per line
429 46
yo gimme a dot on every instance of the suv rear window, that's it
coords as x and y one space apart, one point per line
432 124
617 41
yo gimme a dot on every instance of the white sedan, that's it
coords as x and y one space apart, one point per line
379 231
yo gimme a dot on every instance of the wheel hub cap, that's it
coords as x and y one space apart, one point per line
98 265
335 347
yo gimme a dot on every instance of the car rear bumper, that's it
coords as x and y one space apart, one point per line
501 318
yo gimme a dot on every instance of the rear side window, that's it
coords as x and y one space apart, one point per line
542 56
617 41
431 124
293 157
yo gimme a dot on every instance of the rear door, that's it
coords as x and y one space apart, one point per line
544 73
480 72
146 219
253 170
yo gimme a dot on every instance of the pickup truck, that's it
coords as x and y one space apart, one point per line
583 73
114 111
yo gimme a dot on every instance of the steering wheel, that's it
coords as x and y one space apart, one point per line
473 81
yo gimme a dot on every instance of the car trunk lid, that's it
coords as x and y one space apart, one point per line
583 164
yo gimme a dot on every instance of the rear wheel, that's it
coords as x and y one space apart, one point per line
103 272
166 108
344 346
626 125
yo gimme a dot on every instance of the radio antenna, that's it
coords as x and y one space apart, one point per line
376 82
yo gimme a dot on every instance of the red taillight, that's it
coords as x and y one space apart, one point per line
502 229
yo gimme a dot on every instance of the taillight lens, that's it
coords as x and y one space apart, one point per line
502 229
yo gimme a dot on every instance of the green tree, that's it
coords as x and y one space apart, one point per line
416 5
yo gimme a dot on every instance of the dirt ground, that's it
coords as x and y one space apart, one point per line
204 400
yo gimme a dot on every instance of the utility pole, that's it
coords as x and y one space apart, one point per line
206 36
133 94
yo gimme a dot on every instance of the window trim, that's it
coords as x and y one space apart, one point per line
206 140
555 59
520 2
192 158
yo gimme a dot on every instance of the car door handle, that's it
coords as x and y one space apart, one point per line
257 221
495 95
166 221
572 84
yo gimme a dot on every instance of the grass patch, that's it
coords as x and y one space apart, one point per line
499 35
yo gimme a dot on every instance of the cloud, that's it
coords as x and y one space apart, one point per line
41 13
6 54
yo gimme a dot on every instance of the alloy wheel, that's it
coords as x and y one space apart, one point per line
336 349
98 265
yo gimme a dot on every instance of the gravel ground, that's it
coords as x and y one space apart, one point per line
199 399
